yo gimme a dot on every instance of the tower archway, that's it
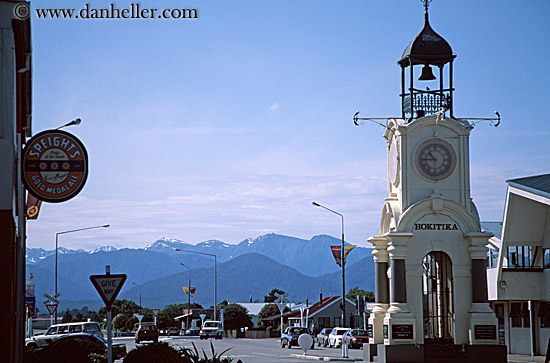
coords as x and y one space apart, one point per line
438 299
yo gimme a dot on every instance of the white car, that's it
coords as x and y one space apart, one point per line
59 330
335 337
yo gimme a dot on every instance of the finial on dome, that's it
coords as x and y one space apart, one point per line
426 4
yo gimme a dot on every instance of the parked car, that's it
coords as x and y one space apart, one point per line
322 337
191 332
335 337
147 331
356 337
291 334
58 330
73 348
211 329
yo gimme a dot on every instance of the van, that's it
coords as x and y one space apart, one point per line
58 330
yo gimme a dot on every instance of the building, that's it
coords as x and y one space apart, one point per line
430 254
518 267
15 127
324 314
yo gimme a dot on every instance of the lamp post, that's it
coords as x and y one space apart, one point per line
215 274
56 247
188 294
342 263
139 286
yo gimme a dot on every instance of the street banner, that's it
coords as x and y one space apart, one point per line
33 206
186 289
336 253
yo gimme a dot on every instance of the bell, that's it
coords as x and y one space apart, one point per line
427 74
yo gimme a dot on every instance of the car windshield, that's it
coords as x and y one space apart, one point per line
52 330
358 332
340 332
210 324
298 331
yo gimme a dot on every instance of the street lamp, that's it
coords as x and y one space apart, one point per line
342 263
56 247
215 274
188 294
139 286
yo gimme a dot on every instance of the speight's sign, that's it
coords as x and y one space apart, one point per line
55 166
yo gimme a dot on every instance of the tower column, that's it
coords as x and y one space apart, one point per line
381 289
399 323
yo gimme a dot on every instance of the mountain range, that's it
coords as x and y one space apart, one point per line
248 270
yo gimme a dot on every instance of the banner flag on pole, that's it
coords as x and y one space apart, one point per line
336 253
186 289
33 206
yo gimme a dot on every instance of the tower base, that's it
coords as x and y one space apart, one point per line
434 353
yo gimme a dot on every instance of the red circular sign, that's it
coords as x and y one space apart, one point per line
55 166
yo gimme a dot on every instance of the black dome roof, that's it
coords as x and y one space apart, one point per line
427 48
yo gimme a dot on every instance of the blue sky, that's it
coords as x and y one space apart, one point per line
228 126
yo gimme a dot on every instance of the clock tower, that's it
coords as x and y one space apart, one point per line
430 253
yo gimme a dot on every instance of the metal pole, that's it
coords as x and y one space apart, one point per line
343 263
188 299
215 274
56 247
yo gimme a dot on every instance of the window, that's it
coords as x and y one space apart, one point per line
519 315
75 329
546 258
91 328
337 321
544 314
324 322
52 331
524 257
492 258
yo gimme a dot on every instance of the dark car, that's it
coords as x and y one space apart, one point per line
147 332
291 334
193 332
73 348
356 337
322 337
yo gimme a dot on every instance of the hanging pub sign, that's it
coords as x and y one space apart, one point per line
55 166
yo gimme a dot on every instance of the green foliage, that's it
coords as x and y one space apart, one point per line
158 352
356 291
165 317
162 352
67 317
268 311
124 306
236 317
271 296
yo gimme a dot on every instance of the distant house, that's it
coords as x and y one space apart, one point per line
194 318
324 314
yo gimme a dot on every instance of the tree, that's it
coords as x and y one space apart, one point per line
271 297
119 321
356 291
236 317
268 311
67 317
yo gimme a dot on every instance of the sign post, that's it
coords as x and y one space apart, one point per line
108 286
281 303
52 307
155 312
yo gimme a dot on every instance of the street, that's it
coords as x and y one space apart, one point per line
247 350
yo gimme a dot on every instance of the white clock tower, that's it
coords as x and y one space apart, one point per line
430 253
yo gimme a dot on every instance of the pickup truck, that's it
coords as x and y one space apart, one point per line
211 329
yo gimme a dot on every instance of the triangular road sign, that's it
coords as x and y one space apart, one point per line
108 286
51 308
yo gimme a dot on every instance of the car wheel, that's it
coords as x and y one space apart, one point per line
282 343
156 341
288 346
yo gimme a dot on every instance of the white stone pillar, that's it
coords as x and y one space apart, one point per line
382 298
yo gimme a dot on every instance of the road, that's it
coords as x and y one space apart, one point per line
247 350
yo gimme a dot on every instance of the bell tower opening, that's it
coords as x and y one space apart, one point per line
438 300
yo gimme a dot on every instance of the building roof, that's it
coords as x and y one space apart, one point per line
538 184
493 227
315 308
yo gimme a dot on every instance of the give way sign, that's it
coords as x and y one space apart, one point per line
108 286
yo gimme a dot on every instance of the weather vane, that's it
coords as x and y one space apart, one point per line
426 4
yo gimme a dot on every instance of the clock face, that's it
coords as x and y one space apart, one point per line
393 164
435 159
